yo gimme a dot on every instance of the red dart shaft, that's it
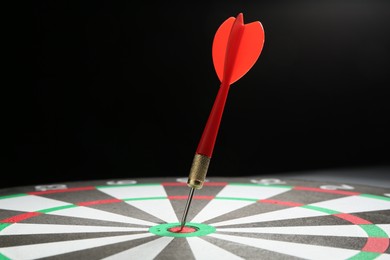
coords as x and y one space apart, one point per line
210 132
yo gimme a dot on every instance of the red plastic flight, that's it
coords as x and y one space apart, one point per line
236 48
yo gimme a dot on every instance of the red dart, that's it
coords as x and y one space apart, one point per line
236 48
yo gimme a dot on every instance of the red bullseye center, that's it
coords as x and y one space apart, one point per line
185 229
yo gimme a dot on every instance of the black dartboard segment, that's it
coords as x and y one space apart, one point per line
229 218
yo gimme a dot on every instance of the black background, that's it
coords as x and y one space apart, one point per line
123 90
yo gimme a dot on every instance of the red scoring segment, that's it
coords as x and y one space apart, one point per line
342 192
186 229
20 217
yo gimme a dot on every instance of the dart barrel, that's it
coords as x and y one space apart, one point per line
199 167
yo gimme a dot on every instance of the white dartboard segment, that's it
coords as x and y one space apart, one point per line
251 191
216 208
161 208
31 229
354 204
147 251
203 250
326 230
385 227
91 213
30 203
135 191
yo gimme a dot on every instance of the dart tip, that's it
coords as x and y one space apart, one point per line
182 226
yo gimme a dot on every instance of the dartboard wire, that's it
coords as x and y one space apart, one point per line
251 198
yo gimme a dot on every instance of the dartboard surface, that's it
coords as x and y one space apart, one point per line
229 218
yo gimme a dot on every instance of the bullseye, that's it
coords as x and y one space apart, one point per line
185 229
190 230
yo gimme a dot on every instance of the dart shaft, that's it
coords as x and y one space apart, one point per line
210 132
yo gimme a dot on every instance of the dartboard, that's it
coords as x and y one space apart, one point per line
229 218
